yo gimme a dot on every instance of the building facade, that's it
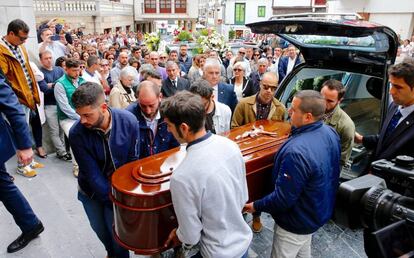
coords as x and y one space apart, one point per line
93 16
182 12
398 15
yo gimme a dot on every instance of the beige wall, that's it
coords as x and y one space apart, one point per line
101 22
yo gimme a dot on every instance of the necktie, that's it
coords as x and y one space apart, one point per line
393 123
174 84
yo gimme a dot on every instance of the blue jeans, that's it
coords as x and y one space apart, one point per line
101 218
16 203
198 255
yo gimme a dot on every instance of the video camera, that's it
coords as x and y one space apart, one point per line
388 213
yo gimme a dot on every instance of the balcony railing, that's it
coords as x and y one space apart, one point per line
81 8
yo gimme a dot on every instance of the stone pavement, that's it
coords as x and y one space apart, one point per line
53 196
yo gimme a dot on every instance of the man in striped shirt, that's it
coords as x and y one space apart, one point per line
14 62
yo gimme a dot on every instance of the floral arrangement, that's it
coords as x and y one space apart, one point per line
152 40
182 35
210 39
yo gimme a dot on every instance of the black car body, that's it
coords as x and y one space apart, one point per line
356 52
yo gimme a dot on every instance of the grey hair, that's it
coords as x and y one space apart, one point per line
145 68
241 64
169 64
128 71
262 61
211 62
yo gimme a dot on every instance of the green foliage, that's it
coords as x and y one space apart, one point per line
232 34
184 36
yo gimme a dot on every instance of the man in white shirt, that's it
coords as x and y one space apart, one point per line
91 73
209 187
218 115
57 48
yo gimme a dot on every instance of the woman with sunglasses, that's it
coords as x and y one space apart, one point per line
254 60
243 86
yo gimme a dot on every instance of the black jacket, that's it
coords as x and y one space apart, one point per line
399 142
249 88
168 89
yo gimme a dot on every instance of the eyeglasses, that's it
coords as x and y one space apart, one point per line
271 87
163 57
20 37
111 58
237 70
242 53
82 67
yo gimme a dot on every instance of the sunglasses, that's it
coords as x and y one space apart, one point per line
82 67
163 57
111 58
237 70
256 54
271 87
20 37
242 53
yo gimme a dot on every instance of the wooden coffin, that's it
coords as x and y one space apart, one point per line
144 214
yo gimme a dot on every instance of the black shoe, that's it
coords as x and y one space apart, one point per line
25 238
66 157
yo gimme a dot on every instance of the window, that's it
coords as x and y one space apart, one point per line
239 13
165 6
150 6
261 11
362 102
180 6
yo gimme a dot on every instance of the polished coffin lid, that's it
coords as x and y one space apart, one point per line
150 176
144 213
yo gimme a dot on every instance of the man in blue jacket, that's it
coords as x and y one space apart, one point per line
154 136
287 63
102 140
15 134
306 173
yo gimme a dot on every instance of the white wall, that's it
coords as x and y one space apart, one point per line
401 23
293 3
398 15
251 10
20 9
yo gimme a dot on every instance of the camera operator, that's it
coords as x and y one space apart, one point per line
397 135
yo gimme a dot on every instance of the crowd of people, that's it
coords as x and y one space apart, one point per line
115 101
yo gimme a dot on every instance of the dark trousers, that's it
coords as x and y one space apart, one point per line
36 127
101 218
16 203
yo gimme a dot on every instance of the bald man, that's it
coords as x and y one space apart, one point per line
154 136
263 105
